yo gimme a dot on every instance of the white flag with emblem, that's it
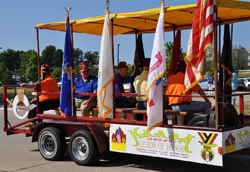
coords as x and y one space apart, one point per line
157 70
105 74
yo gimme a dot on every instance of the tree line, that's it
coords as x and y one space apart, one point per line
24 63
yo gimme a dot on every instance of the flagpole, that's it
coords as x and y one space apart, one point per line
215 72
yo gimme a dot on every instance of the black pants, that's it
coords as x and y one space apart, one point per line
44 105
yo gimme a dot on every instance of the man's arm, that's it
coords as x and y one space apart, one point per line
201 92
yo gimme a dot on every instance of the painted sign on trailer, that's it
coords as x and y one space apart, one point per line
180 144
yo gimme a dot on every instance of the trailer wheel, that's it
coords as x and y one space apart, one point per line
51 143
230 116
83 149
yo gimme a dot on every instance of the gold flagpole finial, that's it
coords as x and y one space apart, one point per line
163 2
68 10
107 3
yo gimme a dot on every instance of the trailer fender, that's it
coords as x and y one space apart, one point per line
69 128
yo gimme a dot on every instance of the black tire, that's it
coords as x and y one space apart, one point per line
51 143
199 124
83 149
230 116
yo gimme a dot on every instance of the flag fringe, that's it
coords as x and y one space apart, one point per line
105 107
153 83
61 112
230 73
154 126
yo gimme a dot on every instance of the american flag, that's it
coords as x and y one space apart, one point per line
201 37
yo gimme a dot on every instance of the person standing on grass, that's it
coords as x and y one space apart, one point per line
210 83
234 85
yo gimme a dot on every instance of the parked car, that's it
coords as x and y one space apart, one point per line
59 83
241 84
247 82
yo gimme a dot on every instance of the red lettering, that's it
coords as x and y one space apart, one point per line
158 63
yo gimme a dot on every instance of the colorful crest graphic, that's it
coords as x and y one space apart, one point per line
207 153
230 143
119 140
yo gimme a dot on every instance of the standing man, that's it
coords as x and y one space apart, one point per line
85 83
234 86
175 87
121 101
210 83
46 102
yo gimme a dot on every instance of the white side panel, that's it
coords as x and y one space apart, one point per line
234 140
180 144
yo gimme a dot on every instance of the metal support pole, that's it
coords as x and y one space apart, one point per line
118 54
39 72
38 56
241 101
174 49
112 47
72 44
5 107
215 73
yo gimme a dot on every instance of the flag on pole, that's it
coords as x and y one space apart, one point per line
226 64
156 71
68 76
201 37
176 54
105 74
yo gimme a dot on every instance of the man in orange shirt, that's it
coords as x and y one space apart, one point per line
46 102
175 87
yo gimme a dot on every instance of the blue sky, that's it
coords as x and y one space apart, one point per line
19 17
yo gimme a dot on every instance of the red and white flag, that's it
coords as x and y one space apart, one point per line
201 37
156 71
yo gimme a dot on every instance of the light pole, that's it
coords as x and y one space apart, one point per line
118 54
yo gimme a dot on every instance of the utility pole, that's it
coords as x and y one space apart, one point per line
118 55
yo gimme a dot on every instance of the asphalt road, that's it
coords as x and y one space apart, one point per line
17 153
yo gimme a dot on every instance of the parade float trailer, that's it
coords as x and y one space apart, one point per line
205 141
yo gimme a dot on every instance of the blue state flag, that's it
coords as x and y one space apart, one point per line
68 76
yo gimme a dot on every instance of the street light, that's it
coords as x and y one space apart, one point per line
118 54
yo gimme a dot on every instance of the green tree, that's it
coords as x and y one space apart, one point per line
24 59
91 58
5 75
11 58
78 55
169 46
58 58
209 61
57 73
31 72
52 56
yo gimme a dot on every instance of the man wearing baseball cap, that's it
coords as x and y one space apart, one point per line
46 102
122 101
85 83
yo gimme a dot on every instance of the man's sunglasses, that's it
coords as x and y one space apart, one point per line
85 71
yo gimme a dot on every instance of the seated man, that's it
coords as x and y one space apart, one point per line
121 101
46 102
175 87
85 83
140 85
